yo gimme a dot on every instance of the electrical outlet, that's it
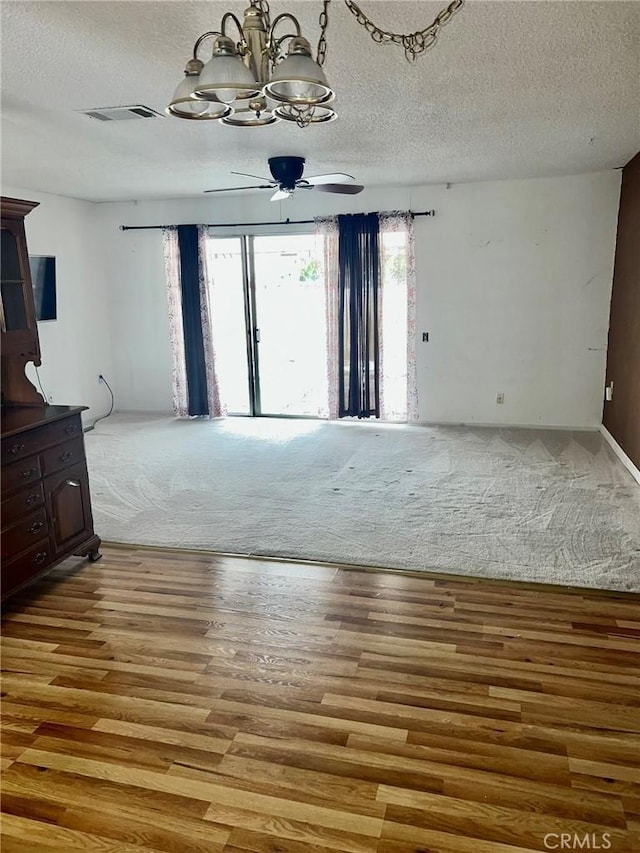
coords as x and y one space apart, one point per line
425 337
500 398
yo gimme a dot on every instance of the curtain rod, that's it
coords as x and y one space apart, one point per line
250 224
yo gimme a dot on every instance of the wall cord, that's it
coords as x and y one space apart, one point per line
102 417
46 399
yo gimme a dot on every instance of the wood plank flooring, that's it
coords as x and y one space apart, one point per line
173 701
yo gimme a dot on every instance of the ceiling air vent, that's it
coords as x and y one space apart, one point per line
121 113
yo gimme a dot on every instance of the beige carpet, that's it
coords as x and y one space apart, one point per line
537 505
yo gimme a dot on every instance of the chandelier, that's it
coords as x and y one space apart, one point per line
269 73
270 60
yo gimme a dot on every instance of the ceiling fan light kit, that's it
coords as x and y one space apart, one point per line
241 78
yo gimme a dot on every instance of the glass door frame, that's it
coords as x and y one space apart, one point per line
252 330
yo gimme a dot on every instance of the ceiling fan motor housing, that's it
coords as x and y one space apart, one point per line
286 170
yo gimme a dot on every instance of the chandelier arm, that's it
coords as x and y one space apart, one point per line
289 17
281 17
272 47
275 45
202 38
229 16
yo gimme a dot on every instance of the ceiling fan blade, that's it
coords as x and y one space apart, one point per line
234 189
338 178
345 189
247 175
280 195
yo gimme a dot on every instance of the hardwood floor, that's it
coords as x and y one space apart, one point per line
181 702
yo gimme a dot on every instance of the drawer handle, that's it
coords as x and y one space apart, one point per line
66 456
71 429
31 499
28 473
16 448
37 525
40 557
73 483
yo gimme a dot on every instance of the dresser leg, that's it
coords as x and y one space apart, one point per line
90 549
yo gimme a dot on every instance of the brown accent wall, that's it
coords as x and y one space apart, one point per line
622 414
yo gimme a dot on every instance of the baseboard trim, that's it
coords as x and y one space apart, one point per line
622 456
502 425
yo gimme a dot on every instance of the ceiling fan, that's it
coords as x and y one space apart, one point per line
286 176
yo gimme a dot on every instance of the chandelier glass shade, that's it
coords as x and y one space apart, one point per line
225 77
255 114
184 103
258 80
298 79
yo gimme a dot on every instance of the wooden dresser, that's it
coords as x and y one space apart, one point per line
46 506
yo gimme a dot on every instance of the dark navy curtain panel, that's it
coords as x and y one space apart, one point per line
358 289
192 320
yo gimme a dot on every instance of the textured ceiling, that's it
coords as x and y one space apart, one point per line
512 89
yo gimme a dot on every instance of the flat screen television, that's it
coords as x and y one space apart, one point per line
43 279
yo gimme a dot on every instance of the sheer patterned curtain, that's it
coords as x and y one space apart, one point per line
176 334
195 385
327 251
399 390
216 407
397 315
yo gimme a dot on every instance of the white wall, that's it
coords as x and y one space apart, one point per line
516 276
76 347
514 282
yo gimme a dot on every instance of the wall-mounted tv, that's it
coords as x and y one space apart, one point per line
43 278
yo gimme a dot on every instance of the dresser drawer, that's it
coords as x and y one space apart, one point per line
24 533
22 568
21 503
57 458
20 474
33 440
63 430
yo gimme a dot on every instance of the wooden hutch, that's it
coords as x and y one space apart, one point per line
46 506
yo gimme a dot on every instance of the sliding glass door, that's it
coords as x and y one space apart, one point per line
268 319
226 262
290 314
